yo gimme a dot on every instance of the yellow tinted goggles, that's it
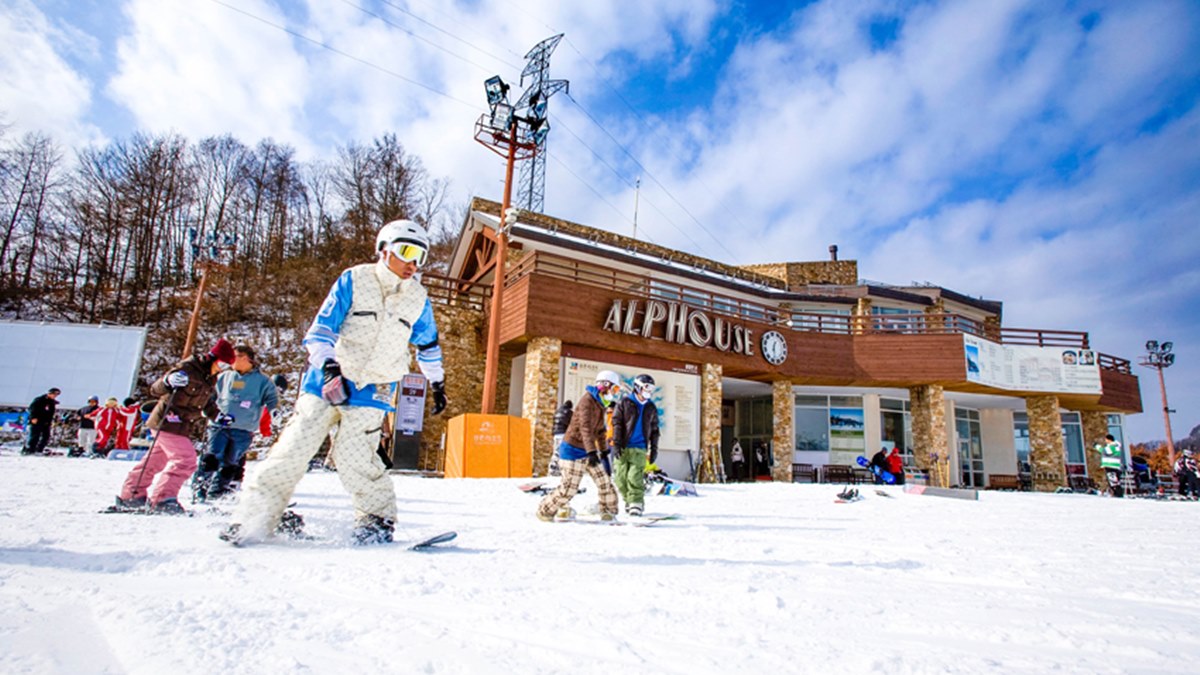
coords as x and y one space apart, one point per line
408 252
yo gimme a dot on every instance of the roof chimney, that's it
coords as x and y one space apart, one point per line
833 252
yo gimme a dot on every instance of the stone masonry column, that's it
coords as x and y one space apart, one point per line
540 398
1047 459
710 422
1095 427
927 403
862 316
782 439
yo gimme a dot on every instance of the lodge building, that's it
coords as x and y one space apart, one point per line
801 360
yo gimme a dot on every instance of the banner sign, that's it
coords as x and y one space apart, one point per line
410 410
1026 368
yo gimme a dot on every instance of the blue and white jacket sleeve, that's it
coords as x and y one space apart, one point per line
322 335
429 353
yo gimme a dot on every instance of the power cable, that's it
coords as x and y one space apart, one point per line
345 54
447 33
364 10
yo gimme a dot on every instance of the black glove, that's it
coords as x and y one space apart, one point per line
653 455
593 459
439 396
335 390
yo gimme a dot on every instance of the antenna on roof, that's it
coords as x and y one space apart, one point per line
637 190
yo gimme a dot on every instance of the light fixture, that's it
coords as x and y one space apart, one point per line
496 90
1151 345
1166 347
502 116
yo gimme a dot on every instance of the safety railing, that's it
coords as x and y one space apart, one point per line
919 323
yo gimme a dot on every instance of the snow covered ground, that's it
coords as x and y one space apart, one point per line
772 578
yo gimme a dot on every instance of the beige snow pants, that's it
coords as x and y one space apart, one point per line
268 488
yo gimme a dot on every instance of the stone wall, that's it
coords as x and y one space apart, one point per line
799 275
1046 453
540 397
1095 428
784 404
710 422
930 436
460 334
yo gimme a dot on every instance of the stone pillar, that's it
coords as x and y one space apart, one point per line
930 439
935 316
1047 456
861 320
783 437
540 397
991 328
1095 427
710 423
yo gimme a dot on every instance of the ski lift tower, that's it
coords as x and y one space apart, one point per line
531 195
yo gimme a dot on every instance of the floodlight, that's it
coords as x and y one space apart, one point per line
496 90
502 116
1151 345
1168 360
1166 347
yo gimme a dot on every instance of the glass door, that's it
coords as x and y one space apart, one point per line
970 447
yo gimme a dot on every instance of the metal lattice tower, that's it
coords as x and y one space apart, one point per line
531 191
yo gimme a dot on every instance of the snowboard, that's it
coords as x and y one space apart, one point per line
882 493
848 496
885 475
540 488
147 512
644 521
436 539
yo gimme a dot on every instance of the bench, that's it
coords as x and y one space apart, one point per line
1003 481
804 472
837 473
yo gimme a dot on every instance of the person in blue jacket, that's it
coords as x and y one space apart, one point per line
243 393
358 348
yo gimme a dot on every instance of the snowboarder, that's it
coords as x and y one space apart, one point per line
562 419
243 395
1187 474
131 415
41 418
185 393
579 453
358 348
1110 461
879 464
635 431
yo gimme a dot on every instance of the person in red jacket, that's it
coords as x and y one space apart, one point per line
130 414
108 420
896 466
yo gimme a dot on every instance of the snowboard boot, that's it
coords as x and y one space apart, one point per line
291 525
634 510
607 517
564 515
545 518
168 507
128 505
372 529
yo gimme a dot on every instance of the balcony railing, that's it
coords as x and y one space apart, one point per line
942 323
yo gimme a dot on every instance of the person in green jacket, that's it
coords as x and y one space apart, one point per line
1111 462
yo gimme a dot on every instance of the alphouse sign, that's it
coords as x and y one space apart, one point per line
678 323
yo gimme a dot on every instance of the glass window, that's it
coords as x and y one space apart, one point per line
1021 439
822 401
845 402
812 429
1073 438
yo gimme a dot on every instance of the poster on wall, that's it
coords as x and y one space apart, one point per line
847 438
677 398
1027 368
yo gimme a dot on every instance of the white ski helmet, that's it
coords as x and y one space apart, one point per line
608 376
401 231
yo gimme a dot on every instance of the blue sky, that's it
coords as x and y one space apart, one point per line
1043 153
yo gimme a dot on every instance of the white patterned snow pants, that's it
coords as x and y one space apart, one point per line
268 488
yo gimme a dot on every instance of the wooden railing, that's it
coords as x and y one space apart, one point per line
444 290
942 323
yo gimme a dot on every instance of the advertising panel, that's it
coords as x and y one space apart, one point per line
80 359
847 439
677 399
1026 368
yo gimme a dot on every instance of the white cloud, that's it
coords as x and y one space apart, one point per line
203 69
39 90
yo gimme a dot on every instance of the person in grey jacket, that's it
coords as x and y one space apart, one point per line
242 394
